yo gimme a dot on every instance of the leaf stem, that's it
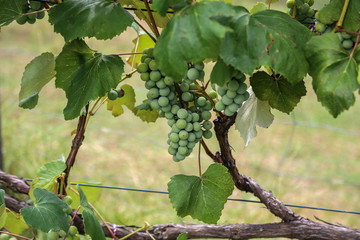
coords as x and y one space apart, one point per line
136 48
42 10
156 31
147 32
343 13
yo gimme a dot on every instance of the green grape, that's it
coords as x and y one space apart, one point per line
67 210
233 107
31 21
174 145
168 80
149 52
228 112
310 13
171 122
233 85
164 91
155 104
21 20
207 125
163 101
346 35
145 76
112 95
183 135
320 27
73 230
242 88
169 115
183 143
183 150
231 94
189 127
172 151
239 99
174 137
35 5
180 156
226 100
191 137
161 84
152 93
69 219
153 65
184 87
221 91
192 86
240 76
189 117
290 3
182 113
207 134
199 66
196 126
246 95
195 117
187 96
175 128
219 106
166 109
201 101
67 199
206 115
148 60
4 236
175 109
181 123
191 145
208 106
193 74
142 68
212 94
155 76
171 96
76 237
310 2
198 134
347 44
52 235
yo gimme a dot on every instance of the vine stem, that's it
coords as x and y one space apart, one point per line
134 53
42 10
343 12
199 162
147 32
15 235
155 29
269 4
356 44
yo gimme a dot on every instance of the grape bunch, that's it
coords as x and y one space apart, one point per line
186 110
303 12
233 94
4 236
34 6
113 94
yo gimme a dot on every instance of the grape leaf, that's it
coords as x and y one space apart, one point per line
202 198
269 38
182 236
334 73
10 10
15 223
92 225
47 175
162 6
47 213
3 213
116 106
104 19
92 193
272 1
280 93
221 73
144 42
85 75
253 112
145 112
190 36
258 7
36 75
332 11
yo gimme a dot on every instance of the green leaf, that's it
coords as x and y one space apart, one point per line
258 7
162 6
332 11
280 93
201 198
3 213
334 73
92 225
104 19
47 213
269 38
85 75
92 194
15 223
128 100
182 236
10 10
272 1
36 75
221 73
191 36
144 42
48 173
253 112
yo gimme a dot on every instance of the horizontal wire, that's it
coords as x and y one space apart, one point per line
230 199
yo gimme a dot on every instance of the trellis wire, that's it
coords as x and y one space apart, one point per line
230 199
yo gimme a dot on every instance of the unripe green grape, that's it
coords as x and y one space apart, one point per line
174 137
189 127
228 112
67 199
196 126
198 134
347 44
31 21
174 145
310 13
226 100
35 5
153 65
192 86
346 35
290 3
246 95
240 76
183 150
4 236
191 137
187 96
221 91
201 101
239 99
304 8
171 96
181 123
320 27
175 109
161 113
171 122
21 20
328 30
69 219
52 235
155 76
195 117
163 101
73 230
207 134
172 151
142 68
233 85
212 94
179 156
77 237
233 107
219 106
145 76
169 115
148 60
184 87
155 104
311 2
183 143
231 94
199 66
143 57
164 91
166 108
191 145
183 135
168 80
207 125
206 115
149 51
182 113
152 93
175 128
67 210
208 106
193 74
189 117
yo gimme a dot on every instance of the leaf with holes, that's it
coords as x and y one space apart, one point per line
85 75
128 100
252 113
269 38
183 40
47 213
36 75
202 198
281 94
104 19
333 71
10 10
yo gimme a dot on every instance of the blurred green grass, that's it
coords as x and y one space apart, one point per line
301 164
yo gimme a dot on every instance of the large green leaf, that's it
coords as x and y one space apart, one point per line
191 36
85 75
36 75
281 94
3 213
162 6
221 73
203 197
11 10
102 19
252 113
332 11
47 213
269 38
334 73
92 225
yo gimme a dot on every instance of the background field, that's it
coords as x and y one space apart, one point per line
305 158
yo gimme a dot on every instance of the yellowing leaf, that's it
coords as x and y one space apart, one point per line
144 42
127 100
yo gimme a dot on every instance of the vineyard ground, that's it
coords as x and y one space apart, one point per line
314 166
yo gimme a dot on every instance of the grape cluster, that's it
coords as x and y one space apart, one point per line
113 94
34 6
4 236
303 12
187 111
233 94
